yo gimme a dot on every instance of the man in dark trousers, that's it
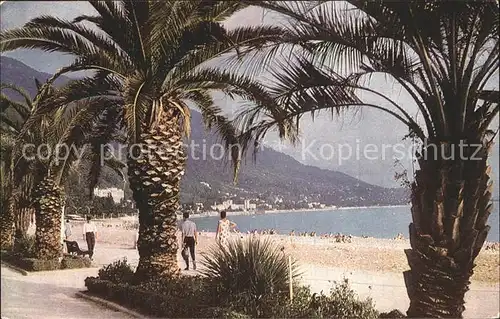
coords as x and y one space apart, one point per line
90 235
189 239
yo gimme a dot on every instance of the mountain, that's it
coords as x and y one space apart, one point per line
18 73
273 175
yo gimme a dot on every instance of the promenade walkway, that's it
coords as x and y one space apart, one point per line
52 294
49 295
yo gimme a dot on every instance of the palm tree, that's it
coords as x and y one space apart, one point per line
156 51
16 213
443 55
43 155
6 201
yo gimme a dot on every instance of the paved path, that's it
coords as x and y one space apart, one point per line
51 294
48 295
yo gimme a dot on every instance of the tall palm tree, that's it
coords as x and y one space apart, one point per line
16 207
13 114
7 218
42 156
156 50
443 55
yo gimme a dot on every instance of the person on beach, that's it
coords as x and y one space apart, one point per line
90 235
189 239
67 229
223 229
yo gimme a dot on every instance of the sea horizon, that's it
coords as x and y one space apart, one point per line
373 221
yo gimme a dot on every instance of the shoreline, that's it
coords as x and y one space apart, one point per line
285 211
381 255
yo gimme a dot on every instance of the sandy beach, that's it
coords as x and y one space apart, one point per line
373 266
368 254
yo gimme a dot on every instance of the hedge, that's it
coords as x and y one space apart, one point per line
73 262
153 303
33 264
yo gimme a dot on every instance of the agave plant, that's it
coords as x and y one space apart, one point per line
445 56
155 51
248 271
42 156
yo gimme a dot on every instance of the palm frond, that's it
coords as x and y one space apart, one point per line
19 90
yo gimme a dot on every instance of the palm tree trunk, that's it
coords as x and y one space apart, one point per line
7 225
155 170
451 202
49 200
22 221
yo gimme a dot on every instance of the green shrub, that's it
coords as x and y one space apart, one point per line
33 264
118 272
222 313
301 307
247 275
71 262
392 314
24 246
343 303
30 264
182 287
146 301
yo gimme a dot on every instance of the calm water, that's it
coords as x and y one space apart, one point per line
380 222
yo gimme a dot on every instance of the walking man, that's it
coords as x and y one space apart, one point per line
90 235
189 239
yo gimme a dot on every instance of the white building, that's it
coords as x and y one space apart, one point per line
229 205
117 194
248 206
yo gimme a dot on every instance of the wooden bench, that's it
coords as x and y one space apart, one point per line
73 248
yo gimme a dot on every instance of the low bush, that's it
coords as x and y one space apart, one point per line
223 313
119 272
248 274
182 287
72 262
392 314
343 303
33 264
147 302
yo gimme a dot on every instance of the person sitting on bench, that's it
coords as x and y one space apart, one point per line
74 248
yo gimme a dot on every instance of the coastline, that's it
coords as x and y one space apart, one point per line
285 211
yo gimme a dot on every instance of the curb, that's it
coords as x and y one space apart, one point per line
42 272
110 304
17 269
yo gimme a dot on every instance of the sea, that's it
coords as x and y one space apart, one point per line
378 222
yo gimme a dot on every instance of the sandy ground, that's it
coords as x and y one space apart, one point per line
372 266
370 254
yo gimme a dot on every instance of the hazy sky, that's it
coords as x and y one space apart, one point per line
325 134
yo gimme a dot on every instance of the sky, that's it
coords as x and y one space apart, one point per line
325 142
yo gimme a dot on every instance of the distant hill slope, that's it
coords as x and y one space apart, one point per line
18 73
273 175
